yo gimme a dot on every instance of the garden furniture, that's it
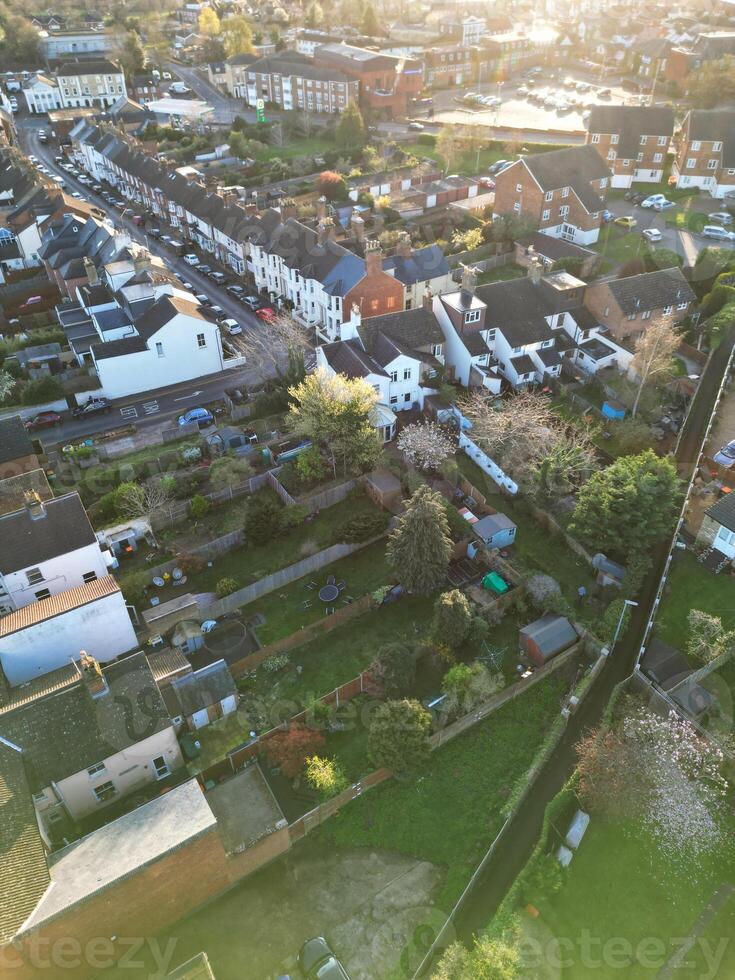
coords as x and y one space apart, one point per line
331 580
341 585
328 592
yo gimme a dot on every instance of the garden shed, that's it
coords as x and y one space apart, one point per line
495 530
384 488
206 694
546 637
229 439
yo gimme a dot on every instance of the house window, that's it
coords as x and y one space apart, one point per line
545 215
394 375
407 374
611 154
595 137
668 310
517 207
201 340
603 183
159 349
658 157
682 306
563 210
639 158
663 140
626 163
565 192
472 316
646 315
407 397
96 769
696 145
89 576
105 791
630 316
548 195
519 188
712 164
691 163
436 350
644 140
394 399
34 576
161 767
43 594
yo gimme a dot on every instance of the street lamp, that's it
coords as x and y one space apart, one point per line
626 603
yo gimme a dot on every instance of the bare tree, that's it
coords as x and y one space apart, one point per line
707 638
271 345
143 499
654 350
426 445
528 440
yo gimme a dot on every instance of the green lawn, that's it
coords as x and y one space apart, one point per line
620 886
252 562
313 146
690 586
450 814
501 274
473 163
219 738
533 551
616 245
364 571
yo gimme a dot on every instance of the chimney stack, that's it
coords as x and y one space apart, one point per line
404 247
288 208
92 675
34 505
373 257
427 301
325 231
357 224
321 208
535 270
142 262
90 270
469 281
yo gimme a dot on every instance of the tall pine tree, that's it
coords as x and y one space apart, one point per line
420 547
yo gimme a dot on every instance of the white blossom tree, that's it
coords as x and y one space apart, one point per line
707 638
271 346
426 445
654 351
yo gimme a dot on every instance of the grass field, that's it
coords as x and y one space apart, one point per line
450 813
313 146
690 586
616 245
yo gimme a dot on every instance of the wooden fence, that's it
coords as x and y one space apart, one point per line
176 511
209 551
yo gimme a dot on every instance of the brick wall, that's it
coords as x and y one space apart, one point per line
600 301
375 294
533 200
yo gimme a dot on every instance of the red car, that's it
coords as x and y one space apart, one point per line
266 313
44 420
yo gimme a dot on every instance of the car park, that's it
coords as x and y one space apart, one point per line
652 234
720 217
718 234
200 416
726 456
626 221
92 406
44 420
317 961
648 202
231 325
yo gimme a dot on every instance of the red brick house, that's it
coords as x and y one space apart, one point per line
561 191
705 151
377 292
627 307
387 82
632 140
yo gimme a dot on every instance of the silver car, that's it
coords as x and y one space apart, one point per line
726 456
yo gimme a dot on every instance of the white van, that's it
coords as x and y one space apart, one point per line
718 233
179 88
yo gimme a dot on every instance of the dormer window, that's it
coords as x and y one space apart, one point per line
472 316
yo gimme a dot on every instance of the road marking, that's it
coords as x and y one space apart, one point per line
150 407
129 413
185 398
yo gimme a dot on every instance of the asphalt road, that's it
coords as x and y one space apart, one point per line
515 848
169 401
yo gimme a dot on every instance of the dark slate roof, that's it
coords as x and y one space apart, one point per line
523 364
723 511
204 687
149 323
69 730
330 264
14 441
651 290
664 664
408 329
712 125
118 348
24 873
630 123
348 357
549 356
25 542
555 248
474 343
573 167
101 67
517 307
287 64
422 265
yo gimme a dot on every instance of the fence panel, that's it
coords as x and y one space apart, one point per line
328 497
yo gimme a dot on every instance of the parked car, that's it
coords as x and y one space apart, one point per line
92 406
604 93
607 217
652 234
266 314
496 167
648 202
252 301
218 277
726 455
219 313
317 961
203 299
626 221
199 415
416 127
488 183
204 268
720 217
718 233
191 259
236 290
664 205
231 326
44 420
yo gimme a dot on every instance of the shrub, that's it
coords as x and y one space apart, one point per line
41 390
291 748
199 506
326 776
276 662
398 736
394 668
293 516
361 528
310 466
226 586
264 517
452 619
192 454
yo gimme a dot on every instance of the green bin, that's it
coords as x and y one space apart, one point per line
495 583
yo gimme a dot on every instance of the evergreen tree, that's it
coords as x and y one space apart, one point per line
350 131
398 736
452 618
370 24
132 55
420 547
628 507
